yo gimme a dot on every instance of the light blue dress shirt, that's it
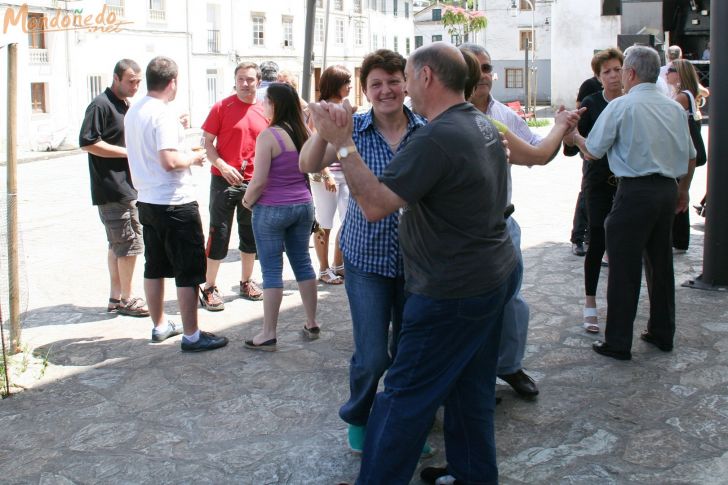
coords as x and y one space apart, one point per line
643 133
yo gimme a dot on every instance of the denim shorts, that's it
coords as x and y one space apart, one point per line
174 243
123 230
283 227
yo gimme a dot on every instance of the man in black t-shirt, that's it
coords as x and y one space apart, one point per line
450 182
102 136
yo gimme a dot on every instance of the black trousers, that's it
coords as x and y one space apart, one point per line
580 224
599 189
639 227
681 230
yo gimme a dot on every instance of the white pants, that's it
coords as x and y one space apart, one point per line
327 202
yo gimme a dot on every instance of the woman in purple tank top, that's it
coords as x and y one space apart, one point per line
283 212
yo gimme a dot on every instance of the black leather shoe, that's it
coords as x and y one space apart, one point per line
604 349
430 474
647 337
521 383
207 341
577 249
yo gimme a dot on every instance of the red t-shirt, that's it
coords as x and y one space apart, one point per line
236 125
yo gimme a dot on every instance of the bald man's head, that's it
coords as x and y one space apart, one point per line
446 63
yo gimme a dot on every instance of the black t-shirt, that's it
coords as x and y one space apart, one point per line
453 175
110 177
588 87
598 170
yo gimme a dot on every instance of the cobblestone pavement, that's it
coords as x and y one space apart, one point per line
113 408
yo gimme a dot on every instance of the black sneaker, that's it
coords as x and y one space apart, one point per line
172 330
207 341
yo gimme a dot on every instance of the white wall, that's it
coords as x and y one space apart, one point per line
578 29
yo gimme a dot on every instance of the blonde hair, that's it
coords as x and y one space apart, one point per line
687 75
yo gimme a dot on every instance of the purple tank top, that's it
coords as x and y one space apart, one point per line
286 184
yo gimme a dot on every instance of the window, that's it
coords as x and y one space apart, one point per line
287 31
359 34
339 5
211 86
611 7
394 7
375 42
436 14
455 39
406 10
407 46
319 3
318 31
384 41
383 7
418 41
38 97
339 31
116 6
525 39
156 10
436 38
357 6
525 5
395 45
36 36
213 41
514 78
95 87
258 23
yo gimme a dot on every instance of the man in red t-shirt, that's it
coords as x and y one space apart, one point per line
235 123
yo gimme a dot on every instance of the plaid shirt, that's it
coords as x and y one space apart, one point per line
374 246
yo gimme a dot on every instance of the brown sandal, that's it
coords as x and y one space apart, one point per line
133 307
113 305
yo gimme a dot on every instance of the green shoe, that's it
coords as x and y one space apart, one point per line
356 438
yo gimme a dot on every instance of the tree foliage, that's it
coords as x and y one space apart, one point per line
460 22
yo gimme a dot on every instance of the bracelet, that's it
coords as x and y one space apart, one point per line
325 176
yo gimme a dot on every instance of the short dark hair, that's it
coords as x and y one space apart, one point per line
248 65
160 72
603 56
391 62
332 80
269 71
124 64
451 70
473 76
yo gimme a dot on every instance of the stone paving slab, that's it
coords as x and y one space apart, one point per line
113 408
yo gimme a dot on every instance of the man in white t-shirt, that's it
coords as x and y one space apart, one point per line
168 211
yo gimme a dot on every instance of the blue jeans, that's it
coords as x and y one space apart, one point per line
278 227
374 301
515 316
447 353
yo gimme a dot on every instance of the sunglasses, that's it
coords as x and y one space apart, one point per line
486 68
671 69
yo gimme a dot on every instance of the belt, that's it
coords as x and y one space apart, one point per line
645 177
510 209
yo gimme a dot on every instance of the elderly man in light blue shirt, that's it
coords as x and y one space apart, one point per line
646 138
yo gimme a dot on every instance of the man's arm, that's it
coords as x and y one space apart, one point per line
334 124
316 154
105 150
175 160
230 174
524 154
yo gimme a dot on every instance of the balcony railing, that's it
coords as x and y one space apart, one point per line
213 41
38 56
117 9
156 15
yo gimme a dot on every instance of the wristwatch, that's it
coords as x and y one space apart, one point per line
344 152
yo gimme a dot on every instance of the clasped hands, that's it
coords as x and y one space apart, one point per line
333 121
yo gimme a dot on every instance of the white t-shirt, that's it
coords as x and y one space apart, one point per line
150 126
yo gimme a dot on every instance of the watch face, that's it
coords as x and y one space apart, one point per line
343 152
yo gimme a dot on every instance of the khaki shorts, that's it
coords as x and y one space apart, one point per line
123 230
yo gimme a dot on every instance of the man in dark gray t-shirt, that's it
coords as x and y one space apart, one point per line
460 269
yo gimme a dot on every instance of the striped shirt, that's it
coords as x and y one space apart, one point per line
373 247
